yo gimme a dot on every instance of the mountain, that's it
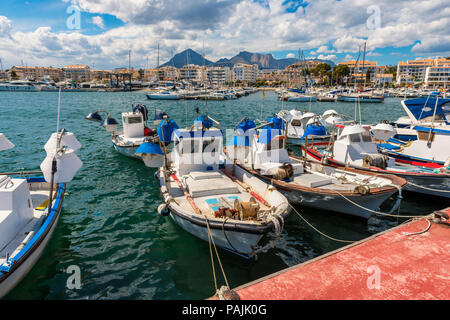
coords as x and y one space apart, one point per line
188 56
264 61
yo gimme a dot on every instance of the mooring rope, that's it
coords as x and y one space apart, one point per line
317 230
397 204
427 188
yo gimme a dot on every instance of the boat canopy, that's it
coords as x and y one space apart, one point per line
421 108
246 125
277 122
148 148
166 129
351 130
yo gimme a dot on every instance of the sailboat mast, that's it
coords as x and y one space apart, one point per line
364 60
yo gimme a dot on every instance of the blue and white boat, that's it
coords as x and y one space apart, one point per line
431 110
354 148
301 126
30 207
136 140
215 200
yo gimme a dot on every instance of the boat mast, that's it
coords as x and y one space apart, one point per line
364 60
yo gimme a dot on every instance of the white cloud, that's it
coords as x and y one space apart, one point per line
331 57
98 21
290 55
229 26
5 26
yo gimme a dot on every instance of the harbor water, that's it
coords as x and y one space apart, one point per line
109 225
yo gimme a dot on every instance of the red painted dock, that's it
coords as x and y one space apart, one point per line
388 265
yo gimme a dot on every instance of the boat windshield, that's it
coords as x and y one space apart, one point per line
296 123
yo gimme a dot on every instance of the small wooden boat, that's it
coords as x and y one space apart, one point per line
30 208
354 148
136 140
221 201
315 185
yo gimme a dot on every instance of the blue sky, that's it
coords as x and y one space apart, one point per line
37 32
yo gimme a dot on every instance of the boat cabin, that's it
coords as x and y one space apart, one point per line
133 124
353 144
196 150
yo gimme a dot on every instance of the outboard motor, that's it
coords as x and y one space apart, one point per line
375 160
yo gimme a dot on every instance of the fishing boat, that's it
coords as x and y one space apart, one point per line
136 140
215 200
354 148
30 207
301 126
312 184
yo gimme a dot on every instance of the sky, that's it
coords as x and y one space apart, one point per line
100 33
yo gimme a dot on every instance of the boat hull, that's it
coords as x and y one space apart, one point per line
162 97
128 151
241 243
432 184
25 263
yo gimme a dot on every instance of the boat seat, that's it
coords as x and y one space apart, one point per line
312 180
210 186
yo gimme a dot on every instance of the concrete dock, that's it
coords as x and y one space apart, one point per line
410 261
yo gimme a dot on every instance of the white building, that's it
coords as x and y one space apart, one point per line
193 73
218 76
245 72
415 70
437 76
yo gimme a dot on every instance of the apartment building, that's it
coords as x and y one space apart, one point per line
358 70
245 72
193 73
437 76
415 71
79 73
168 73
37 73
218 76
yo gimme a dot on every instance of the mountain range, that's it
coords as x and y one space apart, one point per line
264 61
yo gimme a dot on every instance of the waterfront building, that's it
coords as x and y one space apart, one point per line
37 73
415 71
79 73
101 75
193 73
358 70
245 72
383 78
218 76
168 73
437 76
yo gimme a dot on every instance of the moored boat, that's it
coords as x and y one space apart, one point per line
314 185
222 201
30 207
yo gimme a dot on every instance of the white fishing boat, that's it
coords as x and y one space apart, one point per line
136 140
222 201
315 185
30 207
301 126
354 148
